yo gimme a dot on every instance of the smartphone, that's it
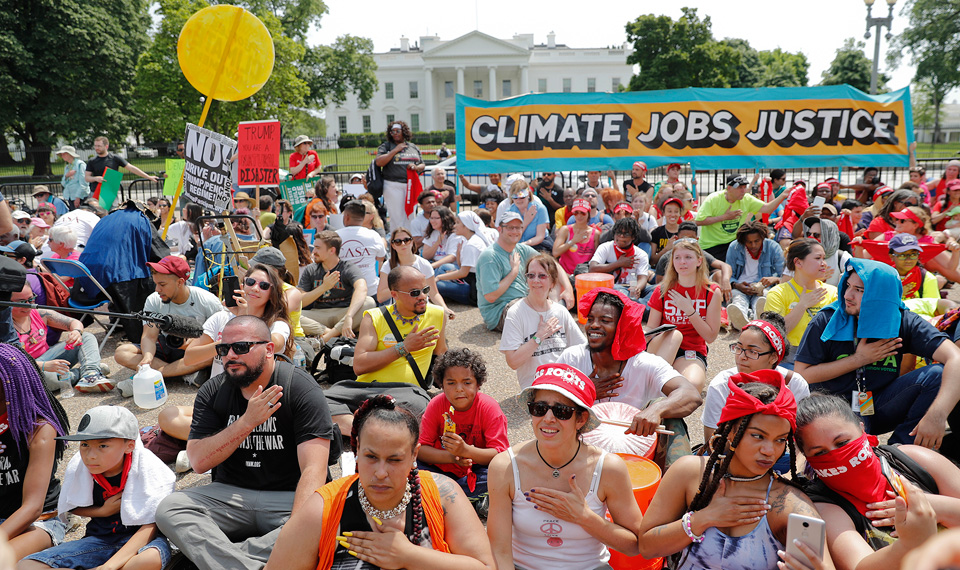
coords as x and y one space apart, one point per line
810 531
659 330
893 478
819 201
230 284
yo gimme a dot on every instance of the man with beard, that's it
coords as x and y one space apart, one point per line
622 371
172 297
264 430
384 363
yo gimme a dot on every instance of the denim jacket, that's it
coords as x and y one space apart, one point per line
771 259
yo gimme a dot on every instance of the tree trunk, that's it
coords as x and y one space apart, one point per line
38 152
936 118
6 159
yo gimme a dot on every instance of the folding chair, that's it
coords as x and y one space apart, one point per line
88 285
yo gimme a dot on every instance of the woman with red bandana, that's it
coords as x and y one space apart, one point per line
730 510
855 484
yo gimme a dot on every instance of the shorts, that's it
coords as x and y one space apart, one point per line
52 526
165 352
93 551
699 355
345 396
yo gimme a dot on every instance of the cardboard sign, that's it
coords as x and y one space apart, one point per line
174 170
295 191
206 175
355 190
109 188
259 154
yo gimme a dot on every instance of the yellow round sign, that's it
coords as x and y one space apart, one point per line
225 52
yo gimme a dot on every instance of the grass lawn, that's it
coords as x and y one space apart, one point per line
947 150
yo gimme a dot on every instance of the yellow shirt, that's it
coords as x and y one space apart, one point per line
785 296
399 369
293 313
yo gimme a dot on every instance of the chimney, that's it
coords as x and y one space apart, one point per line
552 40
404 43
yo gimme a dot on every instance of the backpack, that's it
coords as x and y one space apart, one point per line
338 361
375 180
57 294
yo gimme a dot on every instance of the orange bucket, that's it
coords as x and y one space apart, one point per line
587 282
645 476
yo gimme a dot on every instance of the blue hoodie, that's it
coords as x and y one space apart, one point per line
879 307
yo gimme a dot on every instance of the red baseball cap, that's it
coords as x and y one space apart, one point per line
568 382
824 185
955 183
172 265
906 214
676 201
581 205
881 191
625 206
676 165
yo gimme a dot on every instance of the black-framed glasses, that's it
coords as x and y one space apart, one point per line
736 349
401 241
238 348
560 411
251 282
417 292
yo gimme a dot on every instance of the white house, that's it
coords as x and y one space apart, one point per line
418 82
949 126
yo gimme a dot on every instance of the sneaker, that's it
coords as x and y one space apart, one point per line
126 387
104 369
761 305
95 383
197 378
482 506
183 462
736 316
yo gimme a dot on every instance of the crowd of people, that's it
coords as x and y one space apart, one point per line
839 302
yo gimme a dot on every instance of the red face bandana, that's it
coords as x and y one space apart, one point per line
110 490
740 404
853 471
620 253
629 340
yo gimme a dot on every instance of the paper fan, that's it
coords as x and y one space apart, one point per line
880 251
611 437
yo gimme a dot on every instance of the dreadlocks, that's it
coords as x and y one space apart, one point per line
27 400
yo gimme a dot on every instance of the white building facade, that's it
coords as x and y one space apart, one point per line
418 83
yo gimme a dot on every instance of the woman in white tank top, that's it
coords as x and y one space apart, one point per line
549 496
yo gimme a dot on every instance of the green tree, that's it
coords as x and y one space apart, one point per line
347 66
932 42
67 69
302 122
682 53
783 69
922 98
851 67
750 70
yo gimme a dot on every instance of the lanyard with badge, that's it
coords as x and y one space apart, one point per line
862 399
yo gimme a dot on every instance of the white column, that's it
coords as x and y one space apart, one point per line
427 124
460 79
493 83
524 79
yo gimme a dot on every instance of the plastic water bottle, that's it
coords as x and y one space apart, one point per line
299 358
149 390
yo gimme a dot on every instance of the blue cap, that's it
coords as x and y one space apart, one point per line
904 242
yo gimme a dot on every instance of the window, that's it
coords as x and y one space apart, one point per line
478 88
541 85
414 90
415 122
615 85
448 89
451 124
388 90
591 85
343 125
366 123
566 85
507 89
390 119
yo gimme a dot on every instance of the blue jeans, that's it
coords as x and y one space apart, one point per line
901 404
53 526
480 471
446 268
93 551
87 354
457 291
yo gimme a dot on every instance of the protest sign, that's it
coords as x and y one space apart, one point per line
258 148
206 175
736 129
355 190
174 170
109 188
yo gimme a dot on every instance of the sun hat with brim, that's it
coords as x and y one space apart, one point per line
21 215
243 196
40 189
569 383
300 140
67 149
106 422
581 205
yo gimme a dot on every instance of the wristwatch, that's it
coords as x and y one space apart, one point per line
537 340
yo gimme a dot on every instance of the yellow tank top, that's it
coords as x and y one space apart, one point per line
399 370
294 315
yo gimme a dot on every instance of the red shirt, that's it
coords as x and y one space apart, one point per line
674 316
484 425
296 158
878 224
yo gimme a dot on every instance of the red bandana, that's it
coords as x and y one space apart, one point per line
629 340
773 336
740 404
853 471
620 253
110 490
414 188
912 283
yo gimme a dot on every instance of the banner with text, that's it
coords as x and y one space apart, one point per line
712 129
258 153
206 174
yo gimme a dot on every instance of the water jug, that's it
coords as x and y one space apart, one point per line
149 391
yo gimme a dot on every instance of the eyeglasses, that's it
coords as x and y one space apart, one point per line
238 348
560 411
532 276
914 255
317 216
814 235
524 197
417 292
251 282
401 241
588 196
736 349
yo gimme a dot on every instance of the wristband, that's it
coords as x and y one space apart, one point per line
688 527
401 350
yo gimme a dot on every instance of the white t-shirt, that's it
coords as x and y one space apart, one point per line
751 269
607 254
418 223
647 221
470 252
521 324
643 375
82 222
179 237
213 329
448 247
421 265
362 247
201 305
718 390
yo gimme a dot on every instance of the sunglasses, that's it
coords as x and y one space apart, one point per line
814 235
251 282
532 276
417 292
238 348
560 411
317 216
401 241
914 255
524 197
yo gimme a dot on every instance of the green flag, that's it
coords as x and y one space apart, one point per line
109 188
174 170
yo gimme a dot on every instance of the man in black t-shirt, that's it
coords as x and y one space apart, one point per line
264 429
636 181
551 194
103 159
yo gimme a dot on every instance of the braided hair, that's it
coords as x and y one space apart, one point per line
28 402
385 409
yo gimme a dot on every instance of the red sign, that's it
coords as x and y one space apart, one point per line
259 153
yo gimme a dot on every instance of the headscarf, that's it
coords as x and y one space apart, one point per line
740 404
628 340
474 224
773 337
829 237
879 307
